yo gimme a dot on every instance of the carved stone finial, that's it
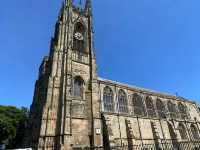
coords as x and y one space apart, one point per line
88 7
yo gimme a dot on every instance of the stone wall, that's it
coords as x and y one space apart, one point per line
132 128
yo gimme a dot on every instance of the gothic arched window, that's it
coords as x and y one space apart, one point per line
108 99
171 131
182 131
195 133
150 107
183 111
172 109
79 33
122 102
138 105
78 87
160 108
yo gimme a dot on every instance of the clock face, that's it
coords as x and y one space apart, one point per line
78 36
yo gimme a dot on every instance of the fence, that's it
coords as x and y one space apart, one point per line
160 146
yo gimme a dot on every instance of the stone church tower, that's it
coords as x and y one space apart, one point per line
66 92
73 108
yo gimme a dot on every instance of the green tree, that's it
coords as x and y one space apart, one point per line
7 132
12 125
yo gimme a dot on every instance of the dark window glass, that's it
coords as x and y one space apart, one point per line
172 109
150 107
108 99
195 133
182 111
138 105
183 132
79 45
160 109
122 102
79 33
78 87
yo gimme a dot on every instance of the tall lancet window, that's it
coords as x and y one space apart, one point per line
150 107
108 99
172 109
122 102
195 133
78 87
138 105
79 33
160 108
182 131
183 111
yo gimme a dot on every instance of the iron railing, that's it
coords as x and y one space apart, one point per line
194 145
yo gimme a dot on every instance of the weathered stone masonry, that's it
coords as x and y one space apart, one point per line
72 107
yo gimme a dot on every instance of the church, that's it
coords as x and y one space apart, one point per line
74 109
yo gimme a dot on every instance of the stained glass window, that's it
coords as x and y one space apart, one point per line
122 102
108 99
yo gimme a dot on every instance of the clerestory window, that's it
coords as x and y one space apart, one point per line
183 111
122 102
108 99
160 109
195 133
172 109
182 131
150 107
138 105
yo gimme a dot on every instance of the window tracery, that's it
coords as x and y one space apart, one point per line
78 87
183 132
150 107
160 109
195 133
138 105
78 37
172 109
108 99
122 102
182 111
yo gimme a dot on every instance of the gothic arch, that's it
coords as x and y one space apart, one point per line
182 110
150 107
172 109
79 37
108 99
138 105
194 131
182 131
78 89
171 131
122 101
160 108
79 26
173 135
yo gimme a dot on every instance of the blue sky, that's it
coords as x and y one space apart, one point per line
153 44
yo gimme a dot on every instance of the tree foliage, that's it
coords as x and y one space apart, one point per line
12 125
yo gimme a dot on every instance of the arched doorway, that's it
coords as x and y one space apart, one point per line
173 136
